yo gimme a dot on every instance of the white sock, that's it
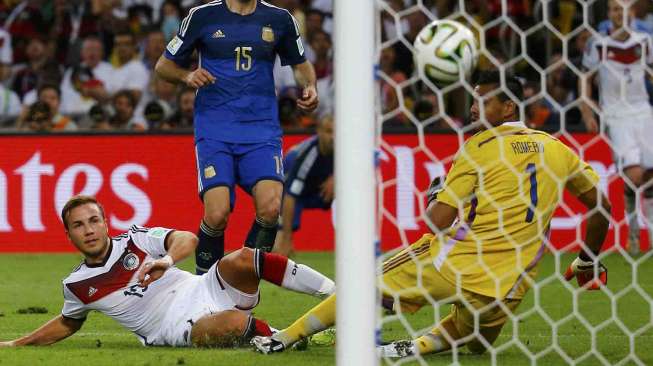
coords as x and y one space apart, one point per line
302 278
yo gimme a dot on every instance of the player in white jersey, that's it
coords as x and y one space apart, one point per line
619 58
132 279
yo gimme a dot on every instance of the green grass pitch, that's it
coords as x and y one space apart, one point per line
34 280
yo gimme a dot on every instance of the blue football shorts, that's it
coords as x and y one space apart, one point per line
227 164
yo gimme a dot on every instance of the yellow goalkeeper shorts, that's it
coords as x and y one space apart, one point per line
411 279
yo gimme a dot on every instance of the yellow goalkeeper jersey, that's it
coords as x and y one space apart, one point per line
508 180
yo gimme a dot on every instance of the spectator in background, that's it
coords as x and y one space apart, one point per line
156 114
98 118
73 21
312 25
388 82
321 45
130 74
10 106
170 19
25 21
29 75
183 117
163 91
40 118
163 94
153 47
51 95
539 112
6 52
87 83
326 7
124 104
9 101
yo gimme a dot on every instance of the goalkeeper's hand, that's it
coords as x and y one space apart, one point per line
584 273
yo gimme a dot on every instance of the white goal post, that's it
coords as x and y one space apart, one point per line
355 187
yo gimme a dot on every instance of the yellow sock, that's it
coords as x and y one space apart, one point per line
434 341
319 318
431 343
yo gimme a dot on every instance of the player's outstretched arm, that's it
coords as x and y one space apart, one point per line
585 89
53 331
180 244
170 71
305 77
583 267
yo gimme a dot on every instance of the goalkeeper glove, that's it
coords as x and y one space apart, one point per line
434 189
584 273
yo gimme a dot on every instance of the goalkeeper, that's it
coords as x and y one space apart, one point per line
508 177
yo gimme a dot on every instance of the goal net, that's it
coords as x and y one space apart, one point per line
423 126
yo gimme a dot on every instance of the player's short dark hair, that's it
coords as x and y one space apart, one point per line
77 201
511 83
127 94
315 11
48 85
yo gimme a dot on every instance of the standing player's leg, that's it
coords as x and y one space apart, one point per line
215 169
632 180
267 202
624 137
260 172
210 248
646 136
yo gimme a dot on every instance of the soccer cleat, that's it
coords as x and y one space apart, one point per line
584 273
397 349
326 337
267 345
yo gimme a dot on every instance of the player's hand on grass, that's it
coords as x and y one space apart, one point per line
153 270
308 101
7 344
198 78
584 273
327 189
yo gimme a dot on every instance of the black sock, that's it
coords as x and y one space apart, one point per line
209 249
261 235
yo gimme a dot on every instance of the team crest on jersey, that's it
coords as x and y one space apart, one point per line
209 172
267 34
131 262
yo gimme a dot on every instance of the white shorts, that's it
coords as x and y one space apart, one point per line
203 295
631 140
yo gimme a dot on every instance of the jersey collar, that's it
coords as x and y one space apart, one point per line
514 124
106 258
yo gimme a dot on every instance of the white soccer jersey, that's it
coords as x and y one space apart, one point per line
111 287
621 71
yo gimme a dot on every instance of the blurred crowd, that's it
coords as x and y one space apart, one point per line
70 65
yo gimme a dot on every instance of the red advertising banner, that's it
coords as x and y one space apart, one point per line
151 180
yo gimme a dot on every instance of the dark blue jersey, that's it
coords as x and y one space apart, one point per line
307 169
239 50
